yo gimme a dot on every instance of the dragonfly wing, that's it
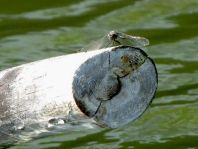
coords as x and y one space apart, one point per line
121 39
103 42
129 40
138 41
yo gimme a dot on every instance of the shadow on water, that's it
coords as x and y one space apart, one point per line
95 138
181 90
188 67
175 103
22 25
187 28
180 142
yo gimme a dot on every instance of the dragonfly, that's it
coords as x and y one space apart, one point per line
114 38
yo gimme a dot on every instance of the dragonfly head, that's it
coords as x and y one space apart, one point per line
113 36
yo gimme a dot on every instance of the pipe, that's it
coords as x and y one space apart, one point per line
112 86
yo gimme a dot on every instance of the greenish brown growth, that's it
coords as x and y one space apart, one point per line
132 62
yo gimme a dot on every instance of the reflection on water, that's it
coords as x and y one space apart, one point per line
37 30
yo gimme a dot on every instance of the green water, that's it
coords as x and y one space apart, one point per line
33 30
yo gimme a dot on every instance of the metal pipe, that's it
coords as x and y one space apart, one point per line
112 86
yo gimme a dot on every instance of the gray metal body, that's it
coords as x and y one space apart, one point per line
98 84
